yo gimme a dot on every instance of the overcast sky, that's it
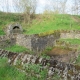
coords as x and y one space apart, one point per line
40 6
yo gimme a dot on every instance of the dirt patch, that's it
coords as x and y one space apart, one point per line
59 51
63 54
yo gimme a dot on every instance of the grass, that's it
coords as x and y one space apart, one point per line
72 41
2 32
8 18
52 22
16 48
42 23
8 72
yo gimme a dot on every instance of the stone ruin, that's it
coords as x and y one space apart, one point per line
37 44
34 42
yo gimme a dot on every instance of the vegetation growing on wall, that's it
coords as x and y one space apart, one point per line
55 32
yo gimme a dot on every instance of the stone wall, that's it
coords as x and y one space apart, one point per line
6 42
36 43
24 40
70 34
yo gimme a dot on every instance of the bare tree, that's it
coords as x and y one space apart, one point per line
55 6
58 6
76 7
27 7
2 5
7 6
63 6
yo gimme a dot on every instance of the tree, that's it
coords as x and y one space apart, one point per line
76 7
27 7
2 5
63 6
58 6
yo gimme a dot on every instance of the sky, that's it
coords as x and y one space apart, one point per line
40 6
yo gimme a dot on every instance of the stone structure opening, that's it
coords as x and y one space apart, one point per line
15 28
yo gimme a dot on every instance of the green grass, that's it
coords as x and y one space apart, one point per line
72 41
16 48
42 23
8 72
53 22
